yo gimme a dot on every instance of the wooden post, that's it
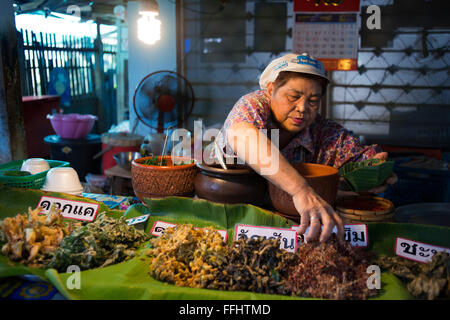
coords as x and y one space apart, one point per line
100 81
12 131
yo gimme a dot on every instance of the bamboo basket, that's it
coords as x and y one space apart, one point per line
357 209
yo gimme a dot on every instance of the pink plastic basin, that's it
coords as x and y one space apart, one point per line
72 125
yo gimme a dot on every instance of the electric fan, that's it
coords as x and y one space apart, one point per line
163 99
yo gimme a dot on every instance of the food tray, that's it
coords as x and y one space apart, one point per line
34 181
131 279
365 175
365 209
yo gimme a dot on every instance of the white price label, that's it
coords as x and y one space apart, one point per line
416 251
288 237
159 227
70 209
356 234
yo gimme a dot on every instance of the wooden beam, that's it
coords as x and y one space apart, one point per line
12 131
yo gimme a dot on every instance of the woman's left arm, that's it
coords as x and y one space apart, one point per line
340 147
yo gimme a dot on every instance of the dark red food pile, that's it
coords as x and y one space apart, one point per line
332 271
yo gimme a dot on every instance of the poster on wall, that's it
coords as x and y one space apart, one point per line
328 30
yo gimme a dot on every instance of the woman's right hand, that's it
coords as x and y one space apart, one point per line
314 212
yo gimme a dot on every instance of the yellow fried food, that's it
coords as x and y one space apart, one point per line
31 237
186 256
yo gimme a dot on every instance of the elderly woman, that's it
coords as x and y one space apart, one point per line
292 88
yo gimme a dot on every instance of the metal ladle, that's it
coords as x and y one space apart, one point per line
165 144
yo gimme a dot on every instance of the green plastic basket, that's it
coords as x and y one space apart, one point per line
365 175
34 181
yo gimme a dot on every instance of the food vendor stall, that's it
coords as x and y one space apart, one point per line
190 229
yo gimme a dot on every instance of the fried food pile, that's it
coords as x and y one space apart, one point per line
191 257
47 241
32 238
198 258
98 244
256 265
425 280
331 270
186 256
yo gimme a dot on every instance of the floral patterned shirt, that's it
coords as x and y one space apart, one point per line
324 141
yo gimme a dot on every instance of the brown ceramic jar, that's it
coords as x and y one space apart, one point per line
237 184
323 179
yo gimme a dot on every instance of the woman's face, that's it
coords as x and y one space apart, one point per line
296 103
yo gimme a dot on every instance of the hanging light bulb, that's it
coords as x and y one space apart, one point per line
149 28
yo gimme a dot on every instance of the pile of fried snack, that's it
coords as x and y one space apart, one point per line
186 256
199 258
47 241
33 238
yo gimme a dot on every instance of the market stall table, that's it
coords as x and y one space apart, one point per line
130 279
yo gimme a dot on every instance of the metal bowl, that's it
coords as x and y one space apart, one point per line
124 159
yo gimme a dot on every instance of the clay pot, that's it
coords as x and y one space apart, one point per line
237 184
161 181
323 179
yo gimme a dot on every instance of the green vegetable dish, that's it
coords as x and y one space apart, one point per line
157 162
104 242
16 173
424 280
45 241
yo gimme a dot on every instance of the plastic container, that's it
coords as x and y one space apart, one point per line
35 181
63 180
35 165
72 125
96 180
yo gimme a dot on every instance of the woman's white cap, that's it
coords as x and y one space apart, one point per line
302 63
